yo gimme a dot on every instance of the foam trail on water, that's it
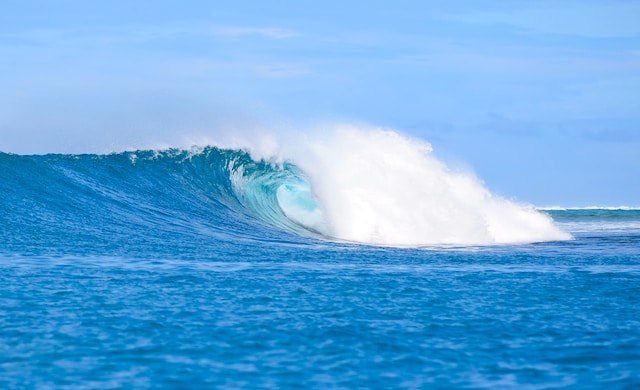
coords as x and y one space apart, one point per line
378 187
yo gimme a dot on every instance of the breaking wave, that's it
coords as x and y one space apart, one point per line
355 185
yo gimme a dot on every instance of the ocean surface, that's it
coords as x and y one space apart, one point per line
208 268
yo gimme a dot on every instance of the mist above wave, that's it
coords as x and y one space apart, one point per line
379 187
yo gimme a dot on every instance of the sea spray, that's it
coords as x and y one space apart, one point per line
377 186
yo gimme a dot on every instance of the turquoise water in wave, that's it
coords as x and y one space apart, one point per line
179 269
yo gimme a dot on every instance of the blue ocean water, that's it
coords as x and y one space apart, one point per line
180 269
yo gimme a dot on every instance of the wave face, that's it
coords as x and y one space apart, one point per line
372 187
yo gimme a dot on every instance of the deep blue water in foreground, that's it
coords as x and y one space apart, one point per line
153 269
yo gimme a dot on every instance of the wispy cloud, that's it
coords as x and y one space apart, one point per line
586 19
273 33
281 70
135 34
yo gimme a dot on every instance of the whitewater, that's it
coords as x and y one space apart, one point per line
379 187
349 257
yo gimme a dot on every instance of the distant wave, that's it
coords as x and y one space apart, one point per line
597 219
612 208
356 185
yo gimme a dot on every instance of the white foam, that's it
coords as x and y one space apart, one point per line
378 187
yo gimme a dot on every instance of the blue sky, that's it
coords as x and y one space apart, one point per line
540 98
